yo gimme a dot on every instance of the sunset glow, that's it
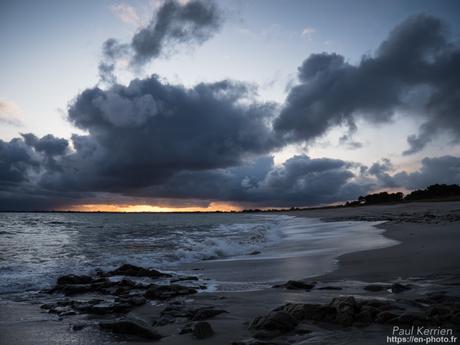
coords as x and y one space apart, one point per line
212 207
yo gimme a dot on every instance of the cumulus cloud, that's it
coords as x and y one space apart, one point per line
143 133
442 170
174 23
417 61
299 181
10 114
126 13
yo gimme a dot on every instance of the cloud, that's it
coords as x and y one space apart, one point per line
143 133
442 170
49 144
414 72
126 13
174 23
10 114
299 181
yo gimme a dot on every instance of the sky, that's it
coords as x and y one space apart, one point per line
208 105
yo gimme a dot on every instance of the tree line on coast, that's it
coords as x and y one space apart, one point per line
432 192
440 192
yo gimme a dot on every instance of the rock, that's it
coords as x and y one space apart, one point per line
398 288
344 303
206 313
128 327
167 291
329 288
385 317
177 311
296 285
135 271
346 308
255 252
180 279
380 305
275 321
375 288
202 330
79 326
74 279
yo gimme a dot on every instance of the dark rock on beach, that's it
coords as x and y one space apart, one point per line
74 279
129 327
206 313
135 271
275 321
202 330
296 285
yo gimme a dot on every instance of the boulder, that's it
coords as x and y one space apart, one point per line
202 330
180 279
275 321
346 308
128 327
206 313
135 271
74 279
296 285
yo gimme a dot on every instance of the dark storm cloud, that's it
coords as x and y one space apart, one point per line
442 170
173 24
17 161
22 163
415 70
299 181
145 132
193 22
49 144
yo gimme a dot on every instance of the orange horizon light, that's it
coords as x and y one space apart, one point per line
124 208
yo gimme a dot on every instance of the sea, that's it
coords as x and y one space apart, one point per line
36 248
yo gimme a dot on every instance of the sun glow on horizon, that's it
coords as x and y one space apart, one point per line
212 207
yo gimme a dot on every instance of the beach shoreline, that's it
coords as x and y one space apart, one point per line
424 260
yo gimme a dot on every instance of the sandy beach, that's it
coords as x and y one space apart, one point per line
423 261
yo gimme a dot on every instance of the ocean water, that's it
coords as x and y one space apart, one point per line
36 248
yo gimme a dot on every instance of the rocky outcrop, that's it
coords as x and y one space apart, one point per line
131 328
296 285
346 311
202 330
136 271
